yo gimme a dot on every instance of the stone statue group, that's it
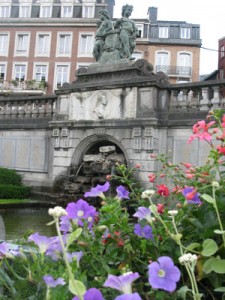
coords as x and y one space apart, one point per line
115 41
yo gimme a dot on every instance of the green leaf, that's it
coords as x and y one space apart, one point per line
176 237
208 198
217 231
193 246
182 292
209 247
208 265
220 289
219 265
73 237
214 264
50 223
77 287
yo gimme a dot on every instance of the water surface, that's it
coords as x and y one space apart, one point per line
17 221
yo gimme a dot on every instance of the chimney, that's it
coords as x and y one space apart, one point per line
152 14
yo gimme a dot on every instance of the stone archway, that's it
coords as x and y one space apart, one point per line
94 158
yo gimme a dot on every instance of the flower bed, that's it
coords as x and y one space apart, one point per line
167 242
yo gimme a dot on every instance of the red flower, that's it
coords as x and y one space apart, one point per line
163 190
160 208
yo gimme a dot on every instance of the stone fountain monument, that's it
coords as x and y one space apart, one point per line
110 113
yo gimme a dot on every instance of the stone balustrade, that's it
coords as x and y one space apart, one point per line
27 107
198 96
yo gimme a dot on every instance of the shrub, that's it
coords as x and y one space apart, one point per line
8 176
9 191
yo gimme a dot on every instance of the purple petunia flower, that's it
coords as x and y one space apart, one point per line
134 296
163 274
143 213
122 282
122 193
43 242
78 256
79 212
7 251
145 232
191 195
92 294
98 190
51 282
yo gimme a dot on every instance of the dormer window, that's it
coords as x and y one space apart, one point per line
163 32
24 11
67 11
185 33
4 11
46 11
88 11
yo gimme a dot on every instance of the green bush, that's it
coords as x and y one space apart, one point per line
9 191
8 176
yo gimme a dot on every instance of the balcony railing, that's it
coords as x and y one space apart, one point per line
174 70
21 86
28 107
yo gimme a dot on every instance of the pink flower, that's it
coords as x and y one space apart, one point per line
152 177
221 149
200 130
160 208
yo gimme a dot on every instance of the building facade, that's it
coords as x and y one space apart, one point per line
221 58
46 41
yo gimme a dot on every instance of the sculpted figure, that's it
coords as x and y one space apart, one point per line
104 27
128 31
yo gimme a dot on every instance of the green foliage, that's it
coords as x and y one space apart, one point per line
9 191
8 176
11 186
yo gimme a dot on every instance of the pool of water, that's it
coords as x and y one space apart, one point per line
17 221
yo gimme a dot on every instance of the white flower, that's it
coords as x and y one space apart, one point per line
172 212
147 194
188 257
57 212
215 184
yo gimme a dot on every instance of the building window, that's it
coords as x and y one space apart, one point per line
4 11
43 44
137 55
22 44
163 32
162 62
222 49
40 72
221 73
2 72
62 74
184 64
88 11
4 44
67 11
46 11
24 11
86 44
185 33
20 71
64 44
140 30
